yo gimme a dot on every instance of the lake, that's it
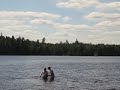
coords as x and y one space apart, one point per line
71 73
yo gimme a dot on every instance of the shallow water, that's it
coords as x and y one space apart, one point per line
71 73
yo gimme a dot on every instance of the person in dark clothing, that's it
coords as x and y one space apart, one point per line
51 74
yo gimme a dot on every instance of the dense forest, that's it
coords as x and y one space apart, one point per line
21 46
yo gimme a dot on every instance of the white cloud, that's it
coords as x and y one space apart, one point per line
77 3
30 34
107 37
61 26
71 26
108 25
20 23
66 18
41 21
61 36
113 6
27 14
105 21
103 16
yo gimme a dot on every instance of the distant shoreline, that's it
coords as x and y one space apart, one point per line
25 47
58 56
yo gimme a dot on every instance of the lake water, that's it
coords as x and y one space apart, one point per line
71 73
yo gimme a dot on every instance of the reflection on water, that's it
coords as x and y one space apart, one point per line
71 73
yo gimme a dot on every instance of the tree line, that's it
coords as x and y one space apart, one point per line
22 46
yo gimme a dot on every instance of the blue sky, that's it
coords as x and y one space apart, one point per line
89 21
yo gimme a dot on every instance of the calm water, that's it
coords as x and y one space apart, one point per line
71 73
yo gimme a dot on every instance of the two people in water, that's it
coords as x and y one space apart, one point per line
48 74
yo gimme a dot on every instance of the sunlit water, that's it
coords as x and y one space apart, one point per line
71 73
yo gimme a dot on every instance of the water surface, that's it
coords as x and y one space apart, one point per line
71 73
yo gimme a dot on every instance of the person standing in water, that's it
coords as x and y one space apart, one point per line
51 74
44 74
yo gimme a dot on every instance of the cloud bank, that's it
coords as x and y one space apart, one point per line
104 26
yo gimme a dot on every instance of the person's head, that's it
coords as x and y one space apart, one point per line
49 68
44 69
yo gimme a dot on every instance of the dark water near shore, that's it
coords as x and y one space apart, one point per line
71 73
